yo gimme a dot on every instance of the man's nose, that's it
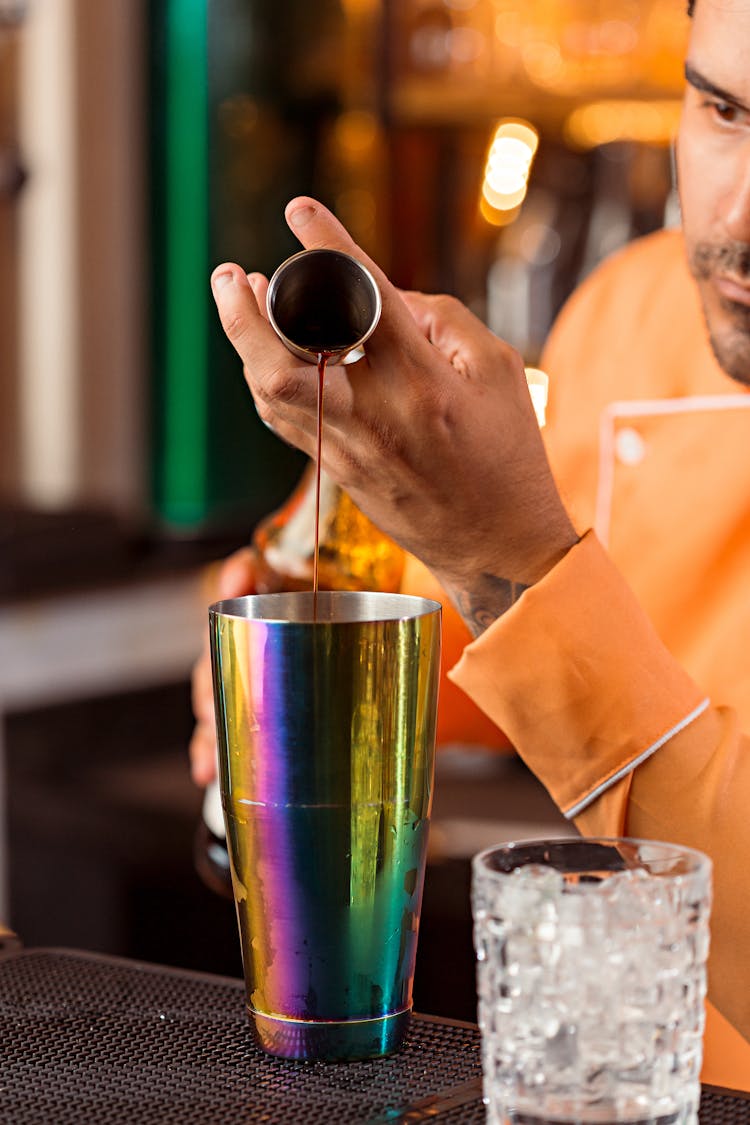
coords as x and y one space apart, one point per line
737 200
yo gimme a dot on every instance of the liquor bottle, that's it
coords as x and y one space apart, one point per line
352 553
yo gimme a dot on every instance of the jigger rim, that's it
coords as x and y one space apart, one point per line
355 349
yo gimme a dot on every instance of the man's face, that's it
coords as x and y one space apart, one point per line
713 158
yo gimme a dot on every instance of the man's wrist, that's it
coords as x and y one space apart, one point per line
487 596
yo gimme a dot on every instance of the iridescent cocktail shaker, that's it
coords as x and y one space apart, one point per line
326 731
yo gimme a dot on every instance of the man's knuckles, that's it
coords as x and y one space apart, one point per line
236 320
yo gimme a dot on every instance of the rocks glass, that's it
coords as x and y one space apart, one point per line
592 978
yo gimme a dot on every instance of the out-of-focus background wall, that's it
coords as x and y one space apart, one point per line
495 149
156 138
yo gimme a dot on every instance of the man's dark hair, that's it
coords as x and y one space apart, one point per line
691 5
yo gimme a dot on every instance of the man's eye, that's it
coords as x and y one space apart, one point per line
724 111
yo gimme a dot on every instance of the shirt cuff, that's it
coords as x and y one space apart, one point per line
578 679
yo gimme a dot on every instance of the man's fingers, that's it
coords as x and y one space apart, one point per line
240 313
233 293
236 578
237 574
285 390
259 285
317 228
201 688
443 319
270 370
203 755
454 330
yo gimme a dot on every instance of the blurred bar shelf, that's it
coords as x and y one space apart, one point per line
90 605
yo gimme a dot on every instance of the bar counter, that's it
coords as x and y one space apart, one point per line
90 1038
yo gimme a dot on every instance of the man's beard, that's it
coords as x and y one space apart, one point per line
731 346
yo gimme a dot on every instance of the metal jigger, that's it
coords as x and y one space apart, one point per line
323 302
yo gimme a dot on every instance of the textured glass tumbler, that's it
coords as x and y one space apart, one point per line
326 731
591 972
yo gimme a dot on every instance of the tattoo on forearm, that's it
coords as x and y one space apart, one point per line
488 600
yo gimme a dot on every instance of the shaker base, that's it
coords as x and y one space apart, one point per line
330 1040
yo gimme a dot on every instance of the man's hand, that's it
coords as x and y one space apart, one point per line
433 433
236 578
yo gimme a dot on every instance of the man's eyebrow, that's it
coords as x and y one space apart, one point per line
699 82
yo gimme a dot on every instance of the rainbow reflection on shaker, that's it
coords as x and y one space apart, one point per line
326 746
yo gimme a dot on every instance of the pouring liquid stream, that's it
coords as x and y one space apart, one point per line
323 358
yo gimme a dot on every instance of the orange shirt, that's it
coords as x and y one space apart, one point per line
649 443
622 678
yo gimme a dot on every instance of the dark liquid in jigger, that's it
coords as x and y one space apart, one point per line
319 329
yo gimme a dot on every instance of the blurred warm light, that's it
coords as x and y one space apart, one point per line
602 122
517 130
507 169
539 244
356 131
538 384
354 8
465 45
527 55
544 63
238 116
357 209
506 199
495 217
509 27
617 37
